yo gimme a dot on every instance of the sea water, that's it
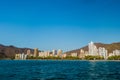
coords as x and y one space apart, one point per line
59 70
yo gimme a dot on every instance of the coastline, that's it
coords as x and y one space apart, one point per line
60 60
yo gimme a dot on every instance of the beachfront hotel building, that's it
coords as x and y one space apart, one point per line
41 54
59 53
116 52
82 53
36 52
54 53
103 52
17 56
44 54
28 52
20 56
74 54
64 55
93 51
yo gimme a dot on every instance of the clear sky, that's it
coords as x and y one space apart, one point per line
59 24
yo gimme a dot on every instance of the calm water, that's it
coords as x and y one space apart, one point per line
59 70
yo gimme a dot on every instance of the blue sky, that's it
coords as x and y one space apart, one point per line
59 24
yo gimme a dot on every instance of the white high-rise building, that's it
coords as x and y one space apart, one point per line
28 52
103 52
82 53
23 56
54 52
36 52
116 52
93 51
59 53
46 53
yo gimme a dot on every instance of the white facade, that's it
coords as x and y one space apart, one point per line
116 52
93 51
102 52
28 52
21 56
64 55
82 53
74 54
44 54
54 52
41 54
59 53
111 54
86 53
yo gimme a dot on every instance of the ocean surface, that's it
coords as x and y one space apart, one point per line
59 70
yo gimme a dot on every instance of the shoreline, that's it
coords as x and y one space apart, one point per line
59 60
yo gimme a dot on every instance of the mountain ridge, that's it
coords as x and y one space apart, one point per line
10 51
109 47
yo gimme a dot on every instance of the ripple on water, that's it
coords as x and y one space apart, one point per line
59 70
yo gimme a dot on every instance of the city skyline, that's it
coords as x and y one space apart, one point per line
62 24
93 53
